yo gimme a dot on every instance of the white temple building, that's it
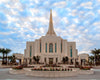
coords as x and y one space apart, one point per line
51 48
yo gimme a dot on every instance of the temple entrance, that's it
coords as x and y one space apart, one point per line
50 60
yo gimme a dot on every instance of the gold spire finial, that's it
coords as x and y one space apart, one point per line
51 30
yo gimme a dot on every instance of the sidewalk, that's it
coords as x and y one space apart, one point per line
7 66
96 67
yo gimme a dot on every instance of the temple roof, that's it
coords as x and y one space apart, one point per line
51 29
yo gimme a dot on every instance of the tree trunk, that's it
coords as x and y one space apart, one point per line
6 59
3 59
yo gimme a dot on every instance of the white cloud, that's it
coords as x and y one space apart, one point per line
34 11
76 20
33 26
36 36
96 23
42 30
60 4
41 19
86 30
65 20
6 33
98 0
54 14
87 5
11 19
81 52
73 12
90 13
97 37
4 1
15 4
99 11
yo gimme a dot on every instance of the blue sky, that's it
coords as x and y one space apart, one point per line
27 20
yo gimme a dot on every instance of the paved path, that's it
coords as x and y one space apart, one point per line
4 75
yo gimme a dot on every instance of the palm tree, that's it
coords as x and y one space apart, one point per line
0 57
65 59
91 59
95 52
9 58
2 50
6 52
13 59
36 59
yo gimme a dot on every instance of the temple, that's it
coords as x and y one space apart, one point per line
51 48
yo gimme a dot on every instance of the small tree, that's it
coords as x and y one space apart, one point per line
9 59
36 59
13 59
91 60
65 59
6 52
95 52
2 50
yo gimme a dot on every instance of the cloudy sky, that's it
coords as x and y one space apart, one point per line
27 20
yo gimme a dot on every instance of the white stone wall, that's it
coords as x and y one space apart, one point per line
43 54
83 56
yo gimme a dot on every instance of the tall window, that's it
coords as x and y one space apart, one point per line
50 47
55 47
40 47
56 60
30 61
71 51
46 47
45 60
61 47
30 51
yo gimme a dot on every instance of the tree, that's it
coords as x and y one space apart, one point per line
13 59
36 58
96 53
9 58
91 59
0 57
6 52
2 50
65 59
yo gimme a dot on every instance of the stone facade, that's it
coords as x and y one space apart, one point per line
51 48
83 59
19 57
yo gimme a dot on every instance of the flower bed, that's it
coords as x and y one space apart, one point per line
85 68
51 69
53 65
18 67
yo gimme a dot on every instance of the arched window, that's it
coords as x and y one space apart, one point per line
40 47
50 47
30 51
71 51
55 47
61 47
46 47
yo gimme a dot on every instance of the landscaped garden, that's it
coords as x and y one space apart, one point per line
51 69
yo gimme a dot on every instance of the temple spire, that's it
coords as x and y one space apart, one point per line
51 30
